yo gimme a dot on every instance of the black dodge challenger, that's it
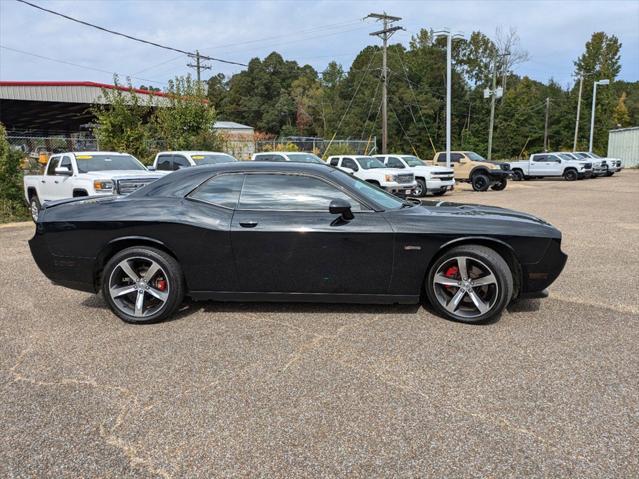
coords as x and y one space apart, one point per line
252 231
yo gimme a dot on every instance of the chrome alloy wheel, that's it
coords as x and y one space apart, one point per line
35 211
465 287
139 287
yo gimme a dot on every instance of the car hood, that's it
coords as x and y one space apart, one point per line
471 209
432 169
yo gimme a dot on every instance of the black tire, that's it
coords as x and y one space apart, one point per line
503 289
34 207
420 191
570 175
610 173
518 175
480 182
174 283
500 185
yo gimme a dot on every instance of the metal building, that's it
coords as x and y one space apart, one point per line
624 144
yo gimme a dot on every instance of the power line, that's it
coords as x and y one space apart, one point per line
77 65
113 32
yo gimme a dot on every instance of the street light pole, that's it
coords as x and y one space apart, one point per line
592 114
581 85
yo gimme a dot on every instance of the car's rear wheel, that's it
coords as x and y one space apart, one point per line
143 285
420 189
34 208
500 185
518 175
480 182
470 283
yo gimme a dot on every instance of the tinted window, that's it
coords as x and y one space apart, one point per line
53 164
290 192
304 158
371 192
164 162
350 163
179 160
222 190
539 158
369 163
454 157
394 162
66 161
334 161
262 158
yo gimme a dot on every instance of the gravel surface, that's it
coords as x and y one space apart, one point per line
290 390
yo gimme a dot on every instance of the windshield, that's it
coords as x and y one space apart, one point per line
566 156
475 156
304 157
413 160
369 163
582 155
594 155
371 192
105 162
212 158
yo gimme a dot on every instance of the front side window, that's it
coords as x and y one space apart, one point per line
539 158
563 156
334 161
105 162
369 163
394 162
53 164
290 192
350 163
164 163
454 157
65 162
212 158
262 157
304 158
179 160
221 190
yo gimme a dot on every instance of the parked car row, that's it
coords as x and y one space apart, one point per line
95 173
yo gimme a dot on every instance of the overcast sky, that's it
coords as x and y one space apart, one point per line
314 32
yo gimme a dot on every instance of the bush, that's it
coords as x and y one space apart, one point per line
338 149
12 207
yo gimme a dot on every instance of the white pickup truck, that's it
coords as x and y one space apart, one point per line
90 173
373 171
435 180
541 165
610 165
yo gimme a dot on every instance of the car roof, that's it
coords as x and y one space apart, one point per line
92 153
283 152
191 152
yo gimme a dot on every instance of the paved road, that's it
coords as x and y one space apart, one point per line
551 390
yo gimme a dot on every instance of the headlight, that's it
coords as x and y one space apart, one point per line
103 185
390 178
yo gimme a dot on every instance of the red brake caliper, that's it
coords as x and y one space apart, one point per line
160 284
451 272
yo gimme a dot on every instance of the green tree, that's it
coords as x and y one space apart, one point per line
186 121
620 115
121 120
11 196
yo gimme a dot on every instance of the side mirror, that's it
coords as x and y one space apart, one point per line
341 207
63 170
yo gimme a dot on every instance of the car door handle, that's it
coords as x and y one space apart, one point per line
248 224
56 181
42 181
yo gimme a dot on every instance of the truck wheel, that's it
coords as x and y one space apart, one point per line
143 285
500 185
420 189
34 207
570 175
610 173
518 175
480 182
470 283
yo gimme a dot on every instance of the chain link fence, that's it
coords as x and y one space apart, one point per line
319 146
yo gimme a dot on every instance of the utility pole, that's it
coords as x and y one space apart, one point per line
449 68
494 93
199 66
546 125
385 34
581 86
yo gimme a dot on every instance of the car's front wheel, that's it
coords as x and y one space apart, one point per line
143 285
420 188
470 283
570 175
480 182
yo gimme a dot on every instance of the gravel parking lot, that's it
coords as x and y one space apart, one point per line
552 389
